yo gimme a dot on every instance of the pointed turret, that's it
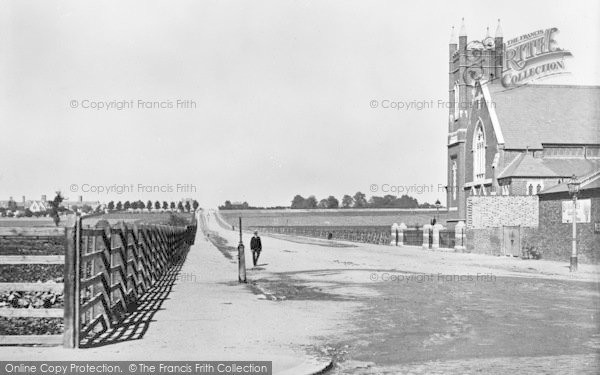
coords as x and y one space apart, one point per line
499 42
463 29
499 30
453 39
462 36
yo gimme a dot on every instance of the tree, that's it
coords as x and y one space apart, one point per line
298 202
227 205
165 205
141 204
172 205
195 205
188 207
180 206
332 202
360 200
86 208
149 205
127 205
134 205
54 205
111 205
157 205
311 202
322 203
12 205
28 213
347 201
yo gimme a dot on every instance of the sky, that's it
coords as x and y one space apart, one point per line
274 96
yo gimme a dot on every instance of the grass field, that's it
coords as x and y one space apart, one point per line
176 218
334 217
113 217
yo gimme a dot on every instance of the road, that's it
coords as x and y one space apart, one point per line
409 310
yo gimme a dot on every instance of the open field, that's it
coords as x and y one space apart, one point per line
143 217
334 217
113 217
29 221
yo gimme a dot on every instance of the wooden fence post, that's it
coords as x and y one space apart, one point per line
72 279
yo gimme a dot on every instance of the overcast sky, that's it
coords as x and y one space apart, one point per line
282 92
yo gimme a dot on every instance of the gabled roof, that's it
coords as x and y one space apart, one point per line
530 115
525 165
588 182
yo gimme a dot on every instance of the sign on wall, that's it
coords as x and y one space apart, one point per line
584 209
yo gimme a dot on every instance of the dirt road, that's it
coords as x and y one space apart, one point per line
418 311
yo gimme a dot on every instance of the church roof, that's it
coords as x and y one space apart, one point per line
588 182
561 114
527 166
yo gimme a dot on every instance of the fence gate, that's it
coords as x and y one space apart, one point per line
511 241
413 237
447 239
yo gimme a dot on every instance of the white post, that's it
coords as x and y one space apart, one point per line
401 228
393 239
436 236
459 236
426 229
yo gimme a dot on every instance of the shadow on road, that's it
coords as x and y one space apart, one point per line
135 325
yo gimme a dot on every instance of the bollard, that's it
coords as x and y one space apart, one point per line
394 235
459 236
426 229
401 228
241 258
436 236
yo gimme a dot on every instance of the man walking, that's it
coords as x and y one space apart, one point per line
256 247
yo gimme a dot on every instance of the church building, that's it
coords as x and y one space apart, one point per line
512 140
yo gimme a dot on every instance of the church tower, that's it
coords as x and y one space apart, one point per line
468 63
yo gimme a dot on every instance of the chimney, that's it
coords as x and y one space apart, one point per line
44 198
23 199
80 198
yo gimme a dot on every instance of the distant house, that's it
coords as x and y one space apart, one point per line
38 206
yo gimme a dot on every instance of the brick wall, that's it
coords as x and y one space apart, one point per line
484 241
489 241
554 238
498 211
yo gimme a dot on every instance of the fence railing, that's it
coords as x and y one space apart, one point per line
20 250
105 272
108 269
373 235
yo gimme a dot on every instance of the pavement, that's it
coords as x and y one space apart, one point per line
208 315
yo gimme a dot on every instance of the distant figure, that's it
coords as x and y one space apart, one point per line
256 247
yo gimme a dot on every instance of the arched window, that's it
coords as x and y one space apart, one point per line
479 153
456 101
454 179
530 190
538 189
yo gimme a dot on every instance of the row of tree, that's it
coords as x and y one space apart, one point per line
358 200
119 206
